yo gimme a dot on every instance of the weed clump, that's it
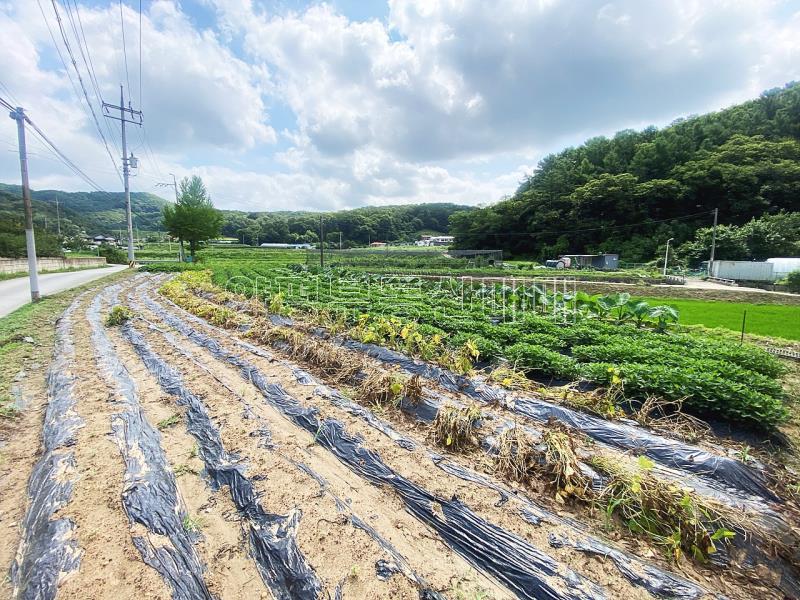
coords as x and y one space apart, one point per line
677 519
454 427
520 458
119 315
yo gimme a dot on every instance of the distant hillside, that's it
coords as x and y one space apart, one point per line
94 212
358 226
630 193
104 212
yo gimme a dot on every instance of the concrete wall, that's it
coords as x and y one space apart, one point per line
20 265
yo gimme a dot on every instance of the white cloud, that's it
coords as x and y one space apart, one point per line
439 102
197 95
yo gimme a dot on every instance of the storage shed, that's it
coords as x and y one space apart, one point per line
604 262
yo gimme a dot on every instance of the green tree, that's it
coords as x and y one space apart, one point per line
193 218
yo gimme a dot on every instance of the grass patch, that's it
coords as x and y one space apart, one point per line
169 422
774 320
192 524
35 322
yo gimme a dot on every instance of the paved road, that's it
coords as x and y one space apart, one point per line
17 292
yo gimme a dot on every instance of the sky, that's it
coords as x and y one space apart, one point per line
295 105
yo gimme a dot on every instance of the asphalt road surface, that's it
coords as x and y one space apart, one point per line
17 292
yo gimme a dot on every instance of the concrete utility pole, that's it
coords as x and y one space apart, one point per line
321 238
713 243
128 162
30 242
58 218
174 185
666 256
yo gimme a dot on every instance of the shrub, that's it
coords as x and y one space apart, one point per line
118 315
114 255
170 267
793 281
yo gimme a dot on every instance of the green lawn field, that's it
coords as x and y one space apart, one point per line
774 320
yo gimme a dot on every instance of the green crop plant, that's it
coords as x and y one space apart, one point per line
118 315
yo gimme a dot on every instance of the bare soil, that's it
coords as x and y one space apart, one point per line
349 529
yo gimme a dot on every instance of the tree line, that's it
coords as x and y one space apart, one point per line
630 193
358 227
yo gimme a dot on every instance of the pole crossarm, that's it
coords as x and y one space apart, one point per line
136 114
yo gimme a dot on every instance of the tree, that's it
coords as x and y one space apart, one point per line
193 217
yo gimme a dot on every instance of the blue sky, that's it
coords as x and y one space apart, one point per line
285 104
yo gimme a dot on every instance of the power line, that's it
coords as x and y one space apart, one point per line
124 47
140 56
8 92
93 74
83 87
51 146
58 50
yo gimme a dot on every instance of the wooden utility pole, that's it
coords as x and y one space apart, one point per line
30 242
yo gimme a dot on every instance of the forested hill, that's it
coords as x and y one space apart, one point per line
92 212
744 160
104 213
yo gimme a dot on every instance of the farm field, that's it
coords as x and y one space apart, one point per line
775 320
276 432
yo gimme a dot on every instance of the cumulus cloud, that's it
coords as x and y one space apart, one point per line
440 101
448 79
196 93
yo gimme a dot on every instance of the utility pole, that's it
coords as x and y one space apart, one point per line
128 162
58 218
713 243
30 243
321 238
340 240
174 185
666 256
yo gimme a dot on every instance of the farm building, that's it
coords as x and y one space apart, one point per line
287 246
604 262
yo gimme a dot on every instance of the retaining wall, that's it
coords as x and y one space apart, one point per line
20 265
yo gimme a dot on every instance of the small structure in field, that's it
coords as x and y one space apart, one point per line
602 262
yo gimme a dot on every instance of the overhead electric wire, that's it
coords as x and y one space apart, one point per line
83 87
111 132
8 92
124 47
140 54
58 50
37 132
